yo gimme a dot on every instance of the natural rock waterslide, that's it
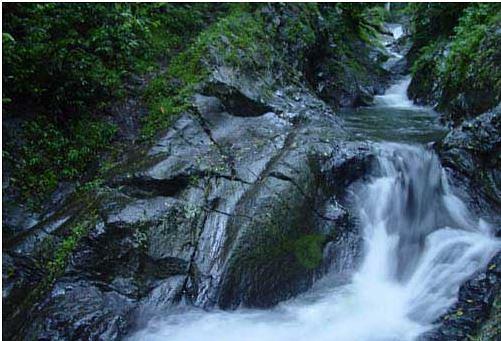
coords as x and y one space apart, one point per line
247 203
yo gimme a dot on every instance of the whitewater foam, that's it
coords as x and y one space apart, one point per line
420 241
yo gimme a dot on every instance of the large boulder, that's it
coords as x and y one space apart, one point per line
348 80
240 202
227 208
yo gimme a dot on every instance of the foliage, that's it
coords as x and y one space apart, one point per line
465 49
173 26
461 69
352 12
49 155
67 59
64 64
432 21
377 14
71 59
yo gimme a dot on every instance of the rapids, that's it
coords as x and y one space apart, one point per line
420 244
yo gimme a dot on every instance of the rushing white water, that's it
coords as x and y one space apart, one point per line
392 48
420 245
396 96
396 30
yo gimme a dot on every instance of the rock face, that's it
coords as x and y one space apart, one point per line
240 202
473 150
349 80
234 205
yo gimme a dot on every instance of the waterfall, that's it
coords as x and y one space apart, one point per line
396 95
396 30
420 241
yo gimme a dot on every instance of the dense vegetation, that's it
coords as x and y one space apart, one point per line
456 57
66 65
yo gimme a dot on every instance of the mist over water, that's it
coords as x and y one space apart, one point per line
420 244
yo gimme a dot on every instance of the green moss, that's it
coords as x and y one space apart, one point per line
235 38
301 28
308 250
239 39
163 110
64 250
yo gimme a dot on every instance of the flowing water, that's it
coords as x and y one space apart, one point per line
394 118
420 244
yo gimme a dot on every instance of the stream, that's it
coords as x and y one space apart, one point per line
420 243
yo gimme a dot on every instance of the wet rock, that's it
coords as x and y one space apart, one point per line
238 203
475 304
80 311
352 81
224 209
235 102
138 245
351 162
473 150
16 219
